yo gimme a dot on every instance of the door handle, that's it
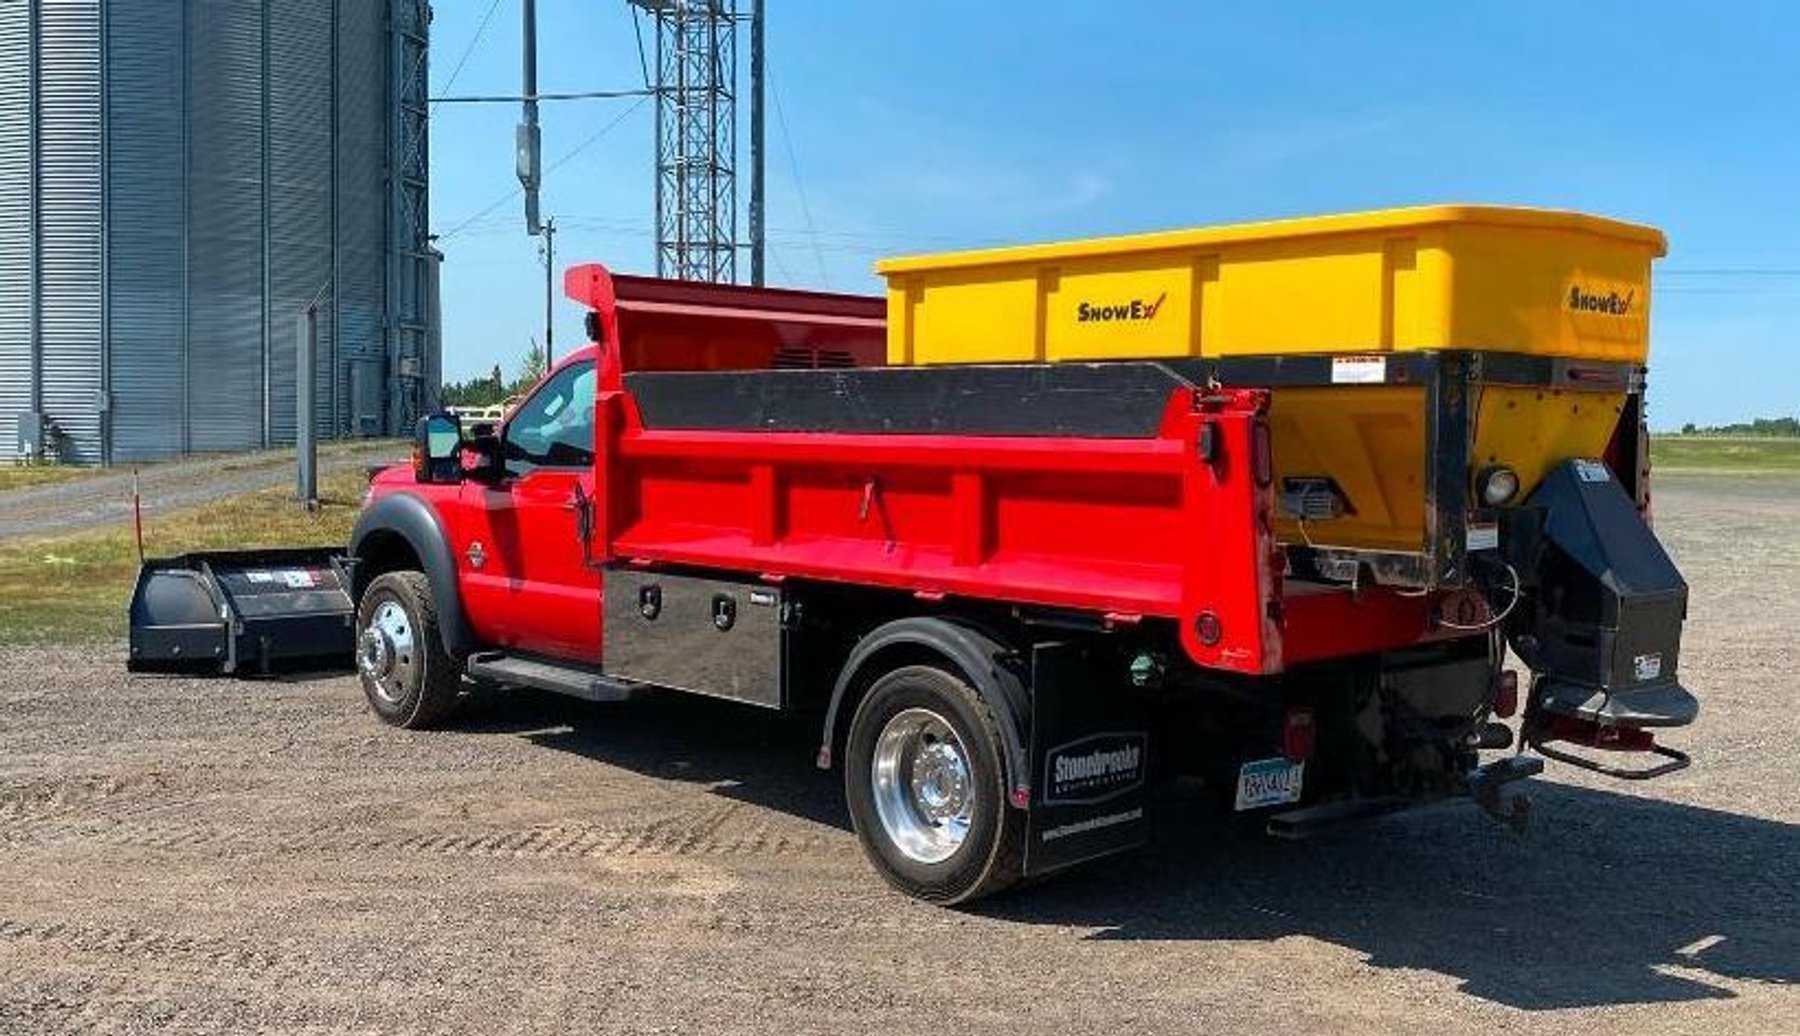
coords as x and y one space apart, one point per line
583 507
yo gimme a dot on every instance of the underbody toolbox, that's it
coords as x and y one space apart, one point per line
710 636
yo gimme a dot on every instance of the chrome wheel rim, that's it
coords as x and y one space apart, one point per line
385 652
924 786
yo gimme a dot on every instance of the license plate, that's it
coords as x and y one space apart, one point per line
1268 782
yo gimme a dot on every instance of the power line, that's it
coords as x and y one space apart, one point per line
638 31
552 167
1768 292
577 95
780 267
1730 271
787 141
470 49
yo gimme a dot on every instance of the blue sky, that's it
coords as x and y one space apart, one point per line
935 124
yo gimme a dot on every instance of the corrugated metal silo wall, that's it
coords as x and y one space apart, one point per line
299 192
361 296
245 171
15 221
69 222
146 215
225 225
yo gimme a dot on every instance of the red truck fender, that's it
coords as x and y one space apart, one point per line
974 654
402 531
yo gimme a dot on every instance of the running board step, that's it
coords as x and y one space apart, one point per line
559 677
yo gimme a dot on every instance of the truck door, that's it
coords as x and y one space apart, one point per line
526 585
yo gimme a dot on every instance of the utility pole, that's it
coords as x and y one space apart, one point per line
306 411
548 251
757 243
529 142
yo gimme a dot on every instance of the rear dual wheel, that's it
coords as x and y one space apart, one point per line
926 784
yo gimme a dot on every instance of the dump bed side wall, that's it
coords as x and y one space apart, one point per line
1125 528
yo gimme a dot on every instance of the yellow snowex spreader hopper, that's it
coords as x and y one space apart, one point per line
1403 345
1533 281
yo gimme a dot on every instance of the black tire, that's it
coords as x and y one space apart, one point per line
992 851
423 683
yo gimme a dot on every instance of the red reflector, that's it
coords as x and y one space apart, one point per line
1595 735
1297 733
1208 628
1262 456
1506 693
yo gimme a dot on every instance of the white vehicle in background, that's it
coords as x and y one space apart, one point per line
473 415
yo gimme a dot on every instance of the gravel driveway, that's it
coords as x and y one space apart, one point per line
215 856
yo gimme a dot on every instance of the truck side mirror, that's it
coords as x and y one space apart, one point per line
437 449
481 455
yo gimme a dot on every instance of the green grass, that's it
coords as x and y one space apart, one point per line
25 476
1725 454
76 587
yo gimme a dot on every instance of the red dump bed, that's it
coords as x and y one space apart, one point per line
1119 491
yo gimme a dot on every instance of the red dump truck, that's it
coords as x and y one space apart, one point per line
1262 505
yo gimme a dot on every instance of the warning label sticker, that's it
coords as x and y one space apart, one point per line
1358 370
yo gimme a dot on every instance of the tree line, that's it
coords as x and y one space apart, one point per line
495 388
1765 427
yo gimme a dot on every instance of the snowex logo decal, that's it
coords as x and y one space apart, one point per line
1612 303
1133 310
1093 769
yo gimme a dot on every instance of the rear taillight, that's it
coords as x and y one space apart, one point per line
1506 693
1262 455
1298 735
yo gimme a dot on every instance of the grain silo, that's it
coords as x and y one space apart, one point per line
179 180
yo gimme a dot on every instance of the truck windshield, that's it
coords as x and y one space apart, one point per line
555 426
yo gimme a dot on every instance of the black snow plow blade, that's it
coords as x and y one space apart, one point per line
1603 633
242 611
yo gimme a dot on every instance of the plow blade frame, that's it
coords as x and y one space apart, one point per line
238 611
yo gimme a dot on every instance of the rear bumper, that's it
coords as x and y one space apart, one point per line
1483 786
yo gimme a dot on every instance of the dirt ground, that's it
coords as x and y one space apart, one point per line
233 857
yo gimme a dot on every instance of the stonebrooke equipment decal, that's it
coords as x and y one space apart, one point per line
1094 769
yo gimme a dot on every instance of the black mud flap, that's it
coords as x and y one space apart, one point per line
1090 751
1603 633
238 611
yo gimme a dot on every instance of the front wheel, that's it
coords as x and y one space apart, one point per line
926 786
408 677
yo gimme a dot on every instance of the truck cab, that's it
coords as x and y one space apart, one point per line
495 519
507 523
